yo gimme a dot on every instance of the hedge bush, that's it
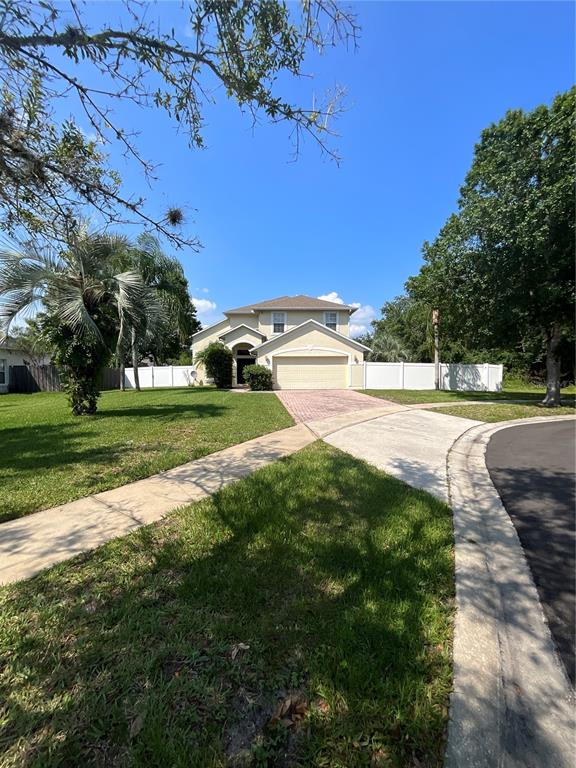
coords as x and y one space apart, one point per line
258 377
217 359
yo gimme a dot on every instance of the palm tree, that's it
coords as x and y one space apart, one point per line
387 349
87 304
173 311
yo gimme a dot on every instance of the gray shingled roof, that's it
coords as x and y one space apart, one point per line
290 302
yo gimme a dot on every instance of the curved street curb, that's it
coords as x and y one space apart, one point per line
512 703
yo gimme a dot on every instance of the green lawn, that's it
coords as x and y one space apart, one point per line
49 456
503 411
301 617
512 390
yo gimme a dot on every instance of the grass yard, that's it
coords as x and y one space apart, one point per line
301 617
49 457
512 390
503 411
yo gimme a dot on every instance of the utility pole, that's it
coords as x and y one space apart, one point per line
435 317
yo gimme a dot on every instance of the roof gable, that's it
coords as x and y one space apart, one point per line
315 324
210 328
243 328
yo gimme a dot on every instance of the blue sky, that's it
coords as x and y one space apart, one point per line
425 80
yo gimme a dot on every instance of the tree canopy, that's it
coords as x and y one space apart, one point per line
501 271
85 301
409 322
169 334
49 171
101 297
384 346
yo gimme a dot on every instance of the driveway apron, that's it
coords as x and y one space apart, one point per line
411 445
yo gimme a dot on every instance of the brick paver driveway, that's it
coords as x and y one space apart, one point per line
313 404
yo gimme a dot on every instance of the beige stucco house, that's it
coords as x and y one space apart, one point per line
304 341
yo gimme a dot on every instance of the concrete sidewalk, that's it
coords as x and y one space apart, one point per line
30 544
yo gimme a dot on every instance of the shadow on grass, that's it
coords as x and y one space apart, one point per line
84 442
452 396
52 445
318 576
336 580
510 396
197 410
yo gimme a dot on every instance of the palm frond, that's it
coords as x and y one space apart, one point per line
388 349
71 310
23 276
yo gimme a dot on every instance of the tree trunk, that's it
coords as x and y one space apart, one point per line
436 349
552 398
119 352
135 360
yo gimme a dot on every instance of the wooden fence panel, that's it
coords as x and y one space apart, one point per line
34 378
19 379
110 378
46 378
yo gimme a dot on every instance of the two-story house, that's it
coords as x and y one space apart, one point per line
304 341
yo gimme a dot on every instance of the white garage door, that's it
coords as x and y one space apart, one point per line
310 372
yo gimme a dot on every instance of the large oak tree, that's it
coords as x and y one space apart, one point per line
501 270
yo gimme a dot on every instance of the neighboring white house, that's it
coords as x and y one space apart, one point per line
9 355
304 341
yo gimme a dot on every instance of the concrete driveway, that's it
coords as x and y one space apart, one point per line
316 404
411 445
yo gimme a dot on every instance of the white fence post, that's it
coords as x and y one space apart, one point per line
402 374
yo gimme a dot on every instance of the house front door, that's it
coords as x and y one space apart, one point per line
241 363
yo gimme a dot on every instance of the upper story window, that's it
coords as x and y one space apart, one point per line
331 320
2 371
278 322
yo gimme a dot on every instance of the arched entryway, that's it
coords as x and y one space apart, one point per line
242 358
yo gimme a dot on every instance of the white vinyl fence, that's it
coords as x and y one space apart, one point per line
466 378
151 376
